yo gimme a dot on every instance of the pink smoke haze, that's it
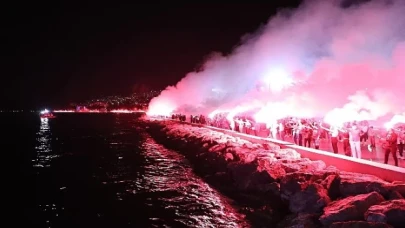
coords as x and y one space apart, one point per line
320 60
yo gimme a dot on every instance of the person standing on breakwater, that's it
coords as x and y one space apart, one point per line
390 146
371 137
354 138
364 133
248 126
307 134
345 140
334 131
316 134
274 130
289 127
297 133
317 141
401 141
232 125
257 128
241 125
281 130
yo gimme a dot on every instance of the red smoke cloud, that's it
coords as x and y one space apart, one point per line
319 60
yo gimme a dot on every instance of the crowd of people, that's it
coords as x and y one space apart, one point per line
310 132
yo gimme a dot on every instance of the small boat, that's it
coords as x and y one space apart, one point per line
47 114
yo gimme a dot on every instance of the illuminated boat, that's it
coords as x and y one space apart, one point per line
46 114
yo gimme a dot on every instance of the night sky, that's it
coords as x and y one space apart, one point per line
65 53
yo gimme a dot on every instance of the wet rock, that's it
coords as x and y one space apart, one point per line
349 209
289 154
311 166
301 220
250 177
241 173
264 153
381 188
393 195
232 151
217 148
229 157
354 184
246 156
311 200
260 181
266 162
398 186
391 212
291 167
271 146
248 145
293 183
273 189
332 169
212 162
286 161
359 224
206 145
232 144
208 139
332 184
276 172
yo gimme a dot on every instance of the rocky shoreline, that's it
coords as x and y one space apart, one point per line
277 188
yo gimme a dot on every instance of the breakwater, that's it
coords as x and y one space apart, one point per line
276 187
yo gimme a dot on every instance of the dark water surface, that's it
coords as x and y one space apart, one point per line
104 170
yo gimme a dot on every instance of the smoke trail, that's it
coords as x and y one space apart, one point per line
321 59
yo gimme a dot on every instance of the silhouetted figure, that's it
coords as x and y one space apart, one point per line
364 134
354 137
401 142
316 137
307 134
257 129
281 130
334 138
371 136
390 146
297 134
346 143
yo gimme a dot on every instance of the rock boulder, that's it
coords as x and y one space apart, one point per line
311 200
359 224
391 212
350 209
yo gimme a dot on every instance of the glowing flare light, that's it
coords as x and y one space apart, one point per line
160 109
395 120
125 111
277 80
46 111
121 111
64 111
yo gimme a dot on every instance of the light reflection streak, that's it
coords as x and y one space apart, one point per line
44 147
181 190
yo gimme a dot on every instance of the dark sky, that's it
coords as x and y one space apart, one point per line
62 53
